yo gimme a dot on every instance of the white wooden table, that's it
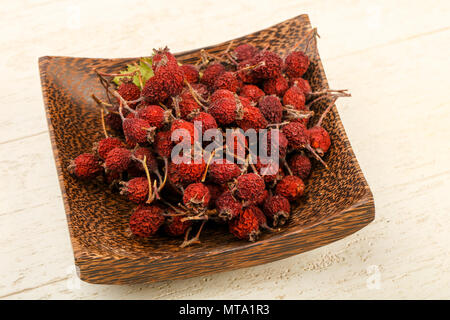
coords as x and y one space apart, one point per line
392 55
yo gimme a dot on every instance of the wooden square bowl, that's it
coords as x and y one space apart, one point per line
337 201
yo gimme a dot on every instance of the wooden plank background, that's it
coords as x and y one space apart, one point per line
394 58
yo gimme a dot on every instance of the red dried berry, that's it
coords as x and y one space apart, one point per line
271 108
207 121
190 73
85 166
252 119
290 187
211 73
280 140
295 97
227 206
188 106
163 144
196 195
225 111
163 58
167 81
245 226
130 92
175 226
106 145
252 92
136 189
303 84
319 139
118 160
262 221
228 81
154 115
186 172
297 135
146 220
185 131
277 208
300 166
244 52
221 94
271 65
248 185
277 86
137 130
222 171
245 74
296 64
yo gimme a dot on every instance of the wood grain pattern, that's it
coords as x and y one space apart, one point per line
338 202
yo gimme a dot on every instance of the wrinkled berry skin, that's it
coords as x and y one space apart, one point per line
290 187
272 65
228 207
163 144
211 73
296 64
277 209
245 226
244 52
227 81
224 111
136 190
129 91
300 166
221 94
252 92
319 139
297 135
154 115
295 97
135 130
207 121
190 73
303 84
271 108
106 145
222 171
118 160
183 174
277 86
85 166
248 185
146 220
252 119
196 195
175 227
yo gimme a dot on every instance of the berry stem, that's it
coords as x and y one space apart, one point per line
194 240
163 183
324 114
124 102
285 164
147 173
103 123
195 95
211 156
310 149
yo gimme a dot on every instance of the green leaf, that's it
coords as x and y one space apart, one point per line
145 67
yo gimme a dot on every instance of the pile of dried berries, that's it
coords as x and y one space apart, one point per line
245 87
